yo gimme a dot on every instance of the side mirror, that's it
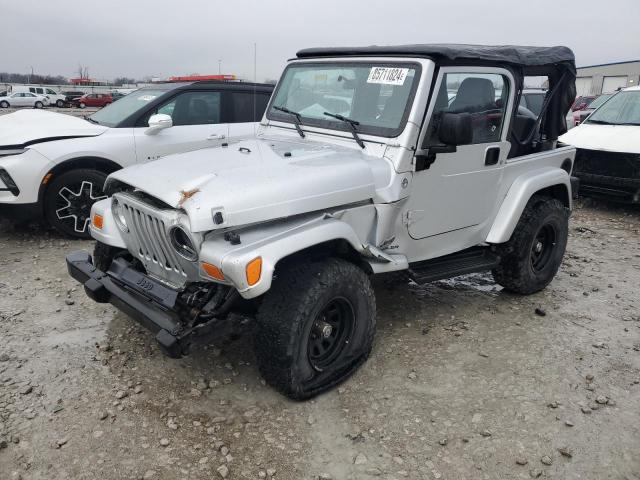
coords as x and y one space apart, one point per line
455 129
158 122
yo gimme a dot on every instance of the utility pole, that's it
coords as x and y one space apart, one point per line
31 75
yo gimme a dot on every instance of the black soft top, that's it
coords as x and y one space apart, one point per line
517 56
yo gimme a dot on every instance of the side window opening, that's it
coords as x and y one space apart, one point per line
483 96
247 106
192 108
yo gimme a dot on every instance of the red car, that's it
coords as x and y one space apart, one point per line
93 100
582 102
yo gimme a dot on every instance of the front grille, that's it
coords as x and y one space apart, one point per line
610 164
148 240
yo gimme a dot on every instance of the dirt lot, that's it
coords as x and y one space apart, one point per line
465 382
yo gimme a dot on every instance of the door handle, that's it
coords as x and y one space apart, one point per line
492 156
215 136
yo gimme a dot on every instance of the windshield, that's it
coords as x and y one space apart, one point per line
621 109
375 97
113 114
599 101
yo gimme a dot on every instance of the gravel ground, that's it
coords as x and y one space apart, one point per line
465 381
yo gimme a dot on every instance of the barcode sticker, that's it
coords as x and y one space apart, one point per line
388 75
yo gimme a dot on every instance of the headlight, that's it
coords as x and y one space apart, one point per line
118 214
183 244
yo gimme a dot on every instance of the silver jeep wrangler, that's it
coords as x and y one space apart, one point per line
415 159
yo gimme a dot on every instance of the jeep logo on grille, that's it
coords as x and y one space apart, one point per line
145 284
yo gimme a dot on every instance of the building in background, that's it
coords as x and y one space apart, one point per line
607 78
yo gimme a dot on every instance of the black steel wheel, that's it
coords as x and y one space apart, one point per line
315 326
533 254
330 332
68 200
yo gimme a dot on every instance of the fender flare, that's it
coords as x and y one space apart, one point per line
519 194
275 246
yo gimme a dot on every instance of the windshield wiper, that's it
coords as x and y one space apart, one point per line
89 119
352 124
296 115
601 122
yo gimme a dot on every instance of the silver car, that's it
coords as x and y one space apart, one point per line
23 99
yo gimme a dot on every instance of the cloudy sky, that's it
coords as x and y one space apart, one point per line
139 38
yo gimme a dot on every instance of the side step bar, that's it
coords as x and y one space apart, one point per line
476 259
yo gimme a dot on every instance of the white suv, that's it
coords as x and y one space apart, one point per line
54 165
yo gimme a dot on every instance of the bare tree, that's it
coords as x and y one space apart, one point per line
83 71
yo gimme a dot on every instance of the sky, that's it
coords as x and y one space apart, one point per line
140 38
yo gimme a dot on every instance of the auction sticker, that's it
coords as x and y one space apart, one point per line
388 75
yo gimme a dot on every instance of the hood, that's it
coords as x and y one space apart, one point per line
258 180
610 138
26 127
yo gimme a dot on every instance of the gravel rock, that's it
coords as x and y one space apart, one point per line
565 452
4 357
546 460
535 473
164 442
541 312
602 400
68 301
223 471
568 423
61 442
443 441
521 461
585 410
137 389
120 394
485 433
26 390
360 459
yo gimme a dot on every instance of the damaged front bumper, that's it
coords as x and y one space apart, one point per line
142 298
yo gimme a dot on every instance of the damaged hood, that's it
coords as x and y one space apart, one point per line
29 126
258 180
610 138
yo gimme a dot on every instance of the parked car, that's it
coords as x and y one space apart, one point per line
608 143
71 95
532 99
93 100
361 166
578 116
53 97
54 165
582 102
22 99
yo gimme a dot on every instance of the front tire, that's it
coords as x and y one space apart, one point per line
38 105
59 104
104 254
68 201
4 104
315 326
533 254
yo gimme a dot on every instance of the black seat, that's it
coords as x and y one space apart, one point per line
474 95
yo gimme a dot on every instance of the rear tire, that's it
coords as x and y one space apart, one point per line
68 201
4 104
533 254
59 104
315 326
82 105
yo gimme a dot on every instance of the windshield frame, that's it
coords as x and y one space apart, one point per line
597 111
337 125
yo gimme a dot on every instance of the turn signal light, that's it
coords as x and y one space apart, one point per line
254 270
98 221
213 271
